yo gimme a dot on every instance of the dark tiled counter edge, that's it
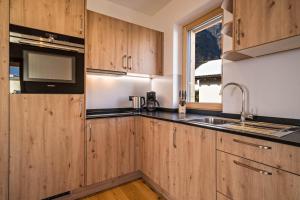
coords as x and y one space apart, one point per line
169 115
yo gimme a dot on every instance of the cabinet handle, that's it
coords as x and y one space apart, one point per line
252 168
81 24
90 131
124 63
174 137
81 109
129 64
238 32
252 144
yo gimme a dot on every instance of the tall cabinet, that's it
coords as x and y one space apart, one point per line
59 16
46 145
4 99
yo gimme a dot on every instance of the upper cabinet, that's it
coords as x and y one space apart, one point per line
59 16
262 27
259 22
106 42
144 50
116 45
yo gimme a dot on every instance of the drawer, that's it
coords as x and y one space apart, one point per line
242 179
277 155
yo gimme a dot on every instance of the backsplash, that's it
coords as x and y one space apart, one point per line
272 84
114 91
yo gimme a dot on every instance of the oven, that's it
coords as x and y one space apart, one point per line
44 62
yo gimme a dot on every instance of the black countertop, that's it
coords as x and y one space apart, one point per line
291 139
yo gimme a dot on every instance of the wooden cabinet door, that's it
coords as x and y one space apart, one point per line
46 145
240 178
110 148
161 151
106 42
262 21
145 49
147 147
59 16
193 163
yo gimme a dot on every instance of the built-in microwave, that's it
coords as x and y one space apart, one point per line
44 62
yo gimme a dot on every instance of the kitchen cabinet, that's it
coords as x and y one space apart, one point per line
115 45
46 145
106 42
261 27
4 101
110 148
58 16
240 178
154 151
193 164
179 158
144 50
259 22
277 155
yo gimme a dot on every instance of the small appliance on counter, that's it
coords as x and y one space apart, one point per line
182 102
137 102
151 103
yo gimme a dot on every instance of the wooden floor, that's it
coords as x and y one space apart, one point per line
136 190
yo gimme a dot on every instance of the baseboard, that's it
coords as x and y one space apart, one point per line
155 187
99 187
95 188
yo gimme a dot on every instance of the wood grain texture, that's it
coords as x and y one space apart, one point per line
280 156
47 145
221 197
193 164
106 42
244 182
262 21
145 48
110 148
4 98
59 16
134 190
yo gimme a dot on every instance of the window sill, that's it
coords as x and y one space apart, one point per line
205 106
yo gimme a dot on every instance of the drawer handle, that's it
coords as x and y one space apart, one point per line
253 145
263 172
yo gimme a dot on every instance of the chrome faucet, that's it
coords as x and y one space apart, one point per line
243 113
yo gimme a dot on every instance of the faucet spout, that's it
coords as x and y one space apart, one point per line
243 114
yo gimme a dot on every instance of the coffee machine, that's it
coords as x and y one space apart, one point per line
151 102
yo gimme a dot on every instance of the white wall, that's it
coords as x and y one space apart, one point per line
272 82
114 92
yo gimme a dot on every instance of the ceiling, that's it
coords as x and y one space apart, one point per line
149 7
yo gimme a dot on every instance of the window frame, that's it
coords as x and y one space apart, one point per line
188 27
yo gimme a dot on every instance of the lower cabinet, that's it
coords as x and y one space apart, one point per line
243 179
179 158
110 148
193 164
46 145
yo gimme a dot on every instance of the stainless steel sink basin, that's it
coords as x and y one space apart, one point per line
210 120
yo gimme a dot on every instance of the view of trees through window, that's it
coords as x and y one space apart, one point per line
205 62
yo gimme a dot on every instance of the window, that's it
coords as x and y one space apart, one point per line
202 67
